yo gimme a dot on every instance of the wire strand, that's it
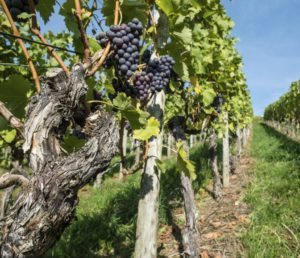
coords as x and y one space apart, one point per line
40 43
25 65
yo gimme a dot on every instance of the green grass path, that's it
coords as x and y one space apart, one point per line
274 196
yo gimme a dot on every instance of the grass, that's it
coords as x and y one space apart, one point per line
106 217
274 196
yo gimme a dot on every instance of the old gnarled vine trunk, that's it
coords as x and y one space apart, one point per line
46 205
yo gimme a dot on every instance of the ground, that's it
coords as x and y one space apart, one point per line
221 223
257 217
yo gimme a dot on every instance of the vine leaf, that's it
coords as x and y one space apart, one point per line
185 35
46 9
183 163
151 129
129 8
8 135
208 96
13 94
166 6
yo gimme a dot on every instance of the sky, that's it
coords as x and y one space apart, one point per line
269 42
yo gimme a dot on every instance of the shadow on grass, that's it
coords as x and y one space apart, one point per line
105 225
106 218
287 144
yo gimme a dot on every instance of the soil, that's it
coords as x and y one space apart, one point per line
221 224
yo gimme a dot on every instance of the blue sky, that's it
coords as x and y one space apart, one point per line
269 41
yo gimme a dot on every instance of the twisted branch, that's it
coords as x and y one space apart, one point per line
8 180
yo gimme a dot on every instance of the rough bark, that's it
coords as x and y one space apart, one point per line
190 233
217 194
147 221
45 207
226 161
5 199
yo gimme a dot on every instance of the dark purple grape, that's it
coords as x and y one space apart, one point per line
124 68
125 39
130 36
126 55
122 61
118 41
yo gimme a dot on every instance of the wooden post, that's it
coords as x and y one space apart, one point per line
147 220
214 166
226 164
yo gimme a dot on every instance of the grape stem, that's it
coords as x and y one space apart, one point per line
83 35
50 49
36 31
22 45
107 49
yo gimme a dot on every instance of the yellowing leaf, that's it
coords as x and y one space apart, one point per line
151 129
195 83
184 164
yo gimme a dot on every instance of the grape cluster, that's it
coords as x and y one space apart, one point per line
218 103
142 82
17 7
177 127
160 71
125 43
125 40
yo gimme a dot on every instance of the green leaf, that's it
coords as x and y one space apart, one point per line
184 164
129 8
46 9
208 96
136 117
122 102
180 19
185 35
151 129
9 135
14 94
93 44
166 6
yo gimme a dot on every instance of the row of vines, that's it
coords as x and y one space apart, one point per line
284 113
69 100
